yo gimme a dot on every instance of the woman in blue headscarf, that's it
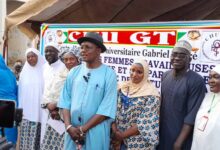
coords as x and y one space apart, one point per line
8 91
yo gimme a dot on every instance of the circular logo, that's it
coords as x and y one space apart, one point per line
211 47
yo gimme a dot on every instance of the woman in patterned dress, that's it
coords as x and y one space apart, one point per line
53 140
30 92
137 121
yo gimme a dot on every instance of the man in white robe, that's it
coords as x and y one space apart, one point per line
53 66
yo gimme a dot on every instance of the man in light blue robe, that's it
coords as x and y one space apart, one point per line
89 99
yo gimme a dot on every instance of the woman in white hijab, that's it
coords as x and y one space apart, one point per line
137 119
207 124
30 91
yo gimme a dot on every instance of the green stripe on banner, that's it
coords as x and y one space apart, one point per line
66 34
180 34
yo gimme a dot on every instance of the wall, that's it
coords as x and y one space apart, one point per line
18 42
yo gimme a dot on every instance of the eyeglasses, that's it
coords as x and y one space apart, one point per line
179 55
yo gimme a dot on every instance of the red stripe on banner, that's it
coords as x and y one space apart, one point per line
151 37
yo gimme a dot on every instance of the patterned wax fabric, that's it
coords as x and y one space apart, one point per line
144 112
52 140
29 135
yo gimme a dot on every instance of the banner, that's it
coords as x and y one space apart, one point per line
150 41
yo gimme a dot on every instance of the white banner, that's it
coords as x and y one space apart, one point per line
151 41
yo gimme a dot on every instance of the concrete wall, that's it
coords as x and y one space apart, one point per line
18 42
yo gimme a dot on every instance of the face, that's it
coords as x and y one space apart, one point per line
70 60
32 59
51 54
89 52
180 59
214 81
136 73
18 66
59 32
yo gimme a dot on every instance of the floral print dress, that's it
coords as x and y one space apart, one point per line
144 112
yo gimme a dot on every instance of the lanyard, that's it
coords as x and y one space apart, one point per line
212 104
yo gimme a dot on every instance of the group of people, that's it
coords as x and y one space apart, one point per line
71 104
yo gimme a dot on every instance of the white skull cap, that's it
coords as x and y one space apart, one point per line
53 45
217 68
183 44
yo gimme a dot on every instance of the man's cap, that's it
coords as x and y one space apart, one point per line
94 38
53 45
183 44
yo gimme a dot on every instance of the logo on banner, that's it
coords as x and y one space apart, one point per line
211 47
56 36
194 39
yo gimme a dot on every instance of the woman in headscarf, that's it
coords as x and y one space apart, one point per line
207 124
51 97
30 91
8 91
137 121
17 68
